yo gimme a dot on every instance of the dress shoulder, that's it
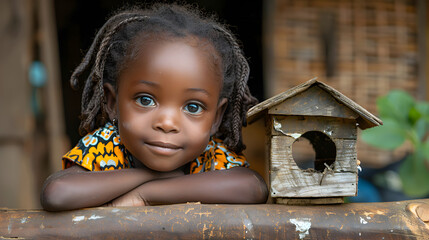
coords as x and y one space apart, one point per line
217 157
99 150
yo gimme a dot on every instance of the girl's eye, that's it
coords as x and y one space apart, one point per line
146 101
193 108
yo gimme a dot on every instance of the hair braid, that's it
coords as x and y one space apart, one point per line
240 99
100 61
91 106
74 79
104 46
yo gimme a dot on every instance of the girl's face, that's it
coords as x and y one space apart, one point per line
167 103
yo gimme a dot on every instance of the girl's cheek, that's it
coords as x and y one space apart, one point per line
126 125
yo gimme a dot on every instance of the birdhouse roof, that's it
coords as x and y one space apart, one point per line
365 118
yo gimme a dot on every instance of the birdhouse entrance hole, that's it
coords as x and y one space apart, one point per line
313 150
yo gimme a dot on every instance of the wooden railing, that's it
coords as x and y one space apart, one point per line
387 220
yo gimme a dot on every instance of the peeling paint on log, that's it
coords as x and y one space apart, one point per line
389 220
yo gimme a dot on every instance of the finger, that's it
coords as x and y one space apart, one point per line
109 204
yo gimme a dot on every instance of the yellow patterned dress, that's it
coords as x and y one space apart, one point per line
102 150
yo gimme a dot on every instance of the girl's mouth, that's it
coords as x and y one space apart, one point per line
162 148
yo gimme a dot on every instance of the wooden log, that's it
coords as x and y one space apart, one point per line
388 220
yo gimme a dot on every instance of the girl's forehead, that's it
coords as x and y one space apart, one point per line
145 43
168 48
187 58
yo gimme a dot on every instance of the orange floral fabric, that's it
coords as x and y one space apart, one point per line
217 157
102 150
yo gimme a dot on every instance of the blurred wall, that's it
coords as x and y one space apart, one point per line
32 137
363 48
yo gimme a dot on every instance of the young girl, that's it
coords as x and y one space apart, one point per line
163 106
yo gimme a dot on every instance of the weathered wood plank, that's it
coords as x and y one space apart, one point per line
313 102
388 220
310 201
365 119
333 127
340 184
281 154
288 180
346 155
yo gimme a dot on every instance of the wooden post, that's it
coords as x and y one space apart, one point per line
426 66
388 220
422 53
54 105
16 122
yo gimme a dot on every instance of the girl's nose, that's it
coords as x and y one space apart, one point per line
167 121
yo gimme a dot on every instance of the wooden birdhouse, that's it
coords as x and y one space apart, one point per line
329 121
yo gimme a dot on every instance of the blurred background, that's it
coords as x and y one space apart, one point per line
363 48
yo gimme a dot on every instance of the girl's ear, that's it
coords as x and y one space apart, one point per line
110 95
221 107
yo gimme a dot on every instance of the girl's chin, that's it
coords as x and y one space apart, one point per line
161 167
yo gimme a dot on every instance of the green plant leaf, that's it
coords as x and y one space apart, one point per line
396 105
425 150
420 128
414 115
404 119
414 177
389 136
423 108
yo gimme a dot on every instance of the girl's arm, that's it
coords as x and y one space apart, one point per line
235 185
76 187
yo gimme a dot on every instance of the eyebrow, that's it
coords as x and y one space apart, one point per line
155 84
198 90
149 83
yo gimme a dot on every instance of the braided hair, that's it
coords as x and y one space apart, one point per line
113 47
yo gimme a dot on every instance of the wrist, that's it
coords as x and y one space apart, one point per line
141 193
143 174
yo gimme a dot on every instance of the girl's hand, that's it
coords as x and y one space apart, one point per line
235 185
130 199
135 198
77 187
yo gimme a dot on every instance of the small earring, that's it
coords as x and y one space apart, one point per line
115 122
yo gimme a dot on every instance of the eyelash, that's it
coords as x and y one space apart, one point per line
152 103
200 107
139 101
